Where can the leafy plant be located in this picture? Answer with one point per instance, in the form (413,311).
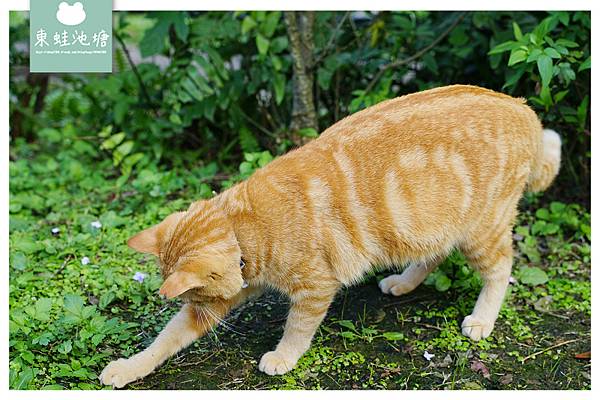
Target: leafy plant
(219,84)
(366,333)
(562,217)
(454,272)
(121,152)
(550,60)
(532,276)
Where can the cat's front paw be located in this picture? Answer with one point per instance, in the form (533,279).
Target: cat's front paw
(275,363)
(120,372)
(476,328)
(395,285)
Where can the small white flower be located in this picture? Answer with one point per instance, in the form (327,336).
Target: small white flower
(139,276)
(96,224)
(55,231)
(85,261)
(428,356)
(512,280)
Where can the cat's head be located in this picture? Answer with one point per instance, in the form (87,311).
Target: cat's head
(198,253)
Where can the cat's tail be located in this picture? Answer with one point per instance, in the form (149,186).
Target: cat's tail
(545,166)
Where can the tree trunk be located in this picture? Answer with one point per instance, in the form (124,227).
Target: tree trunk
(300,26)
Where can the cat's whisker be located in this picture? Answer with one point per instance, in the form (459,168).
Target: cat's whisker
(209,323)
(224,323)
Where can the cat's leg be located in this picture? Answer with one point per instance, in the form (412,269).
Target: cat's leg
(187,325)
(494,263)
(307,310)
(409,279)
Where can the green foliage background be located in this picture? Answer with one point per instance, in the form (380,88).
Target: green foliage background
(197,102)
(225,85)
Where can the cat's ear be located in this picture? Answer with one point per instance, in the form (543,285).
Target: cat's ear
(179,282)
(148,240)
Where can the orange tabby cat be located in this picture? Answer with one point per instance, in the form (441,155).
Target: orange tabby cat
(402,182)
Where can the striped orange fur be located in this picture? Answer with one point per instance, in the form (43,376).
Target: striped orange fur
(400,183)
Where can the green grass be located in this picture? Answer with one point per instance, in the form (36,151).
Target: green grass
(68,318)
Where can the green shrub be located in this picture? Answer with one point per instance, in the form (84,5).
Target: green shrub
(197,105)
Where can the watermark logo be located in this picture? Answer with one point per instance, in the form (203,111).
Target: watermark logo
(70,15)
(67,37)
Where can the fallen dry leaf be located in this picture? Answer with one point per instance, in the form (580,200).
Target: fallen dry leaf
(506,379)
(584,356)
(445,363)
(379,316)
(478,366)
(543,304)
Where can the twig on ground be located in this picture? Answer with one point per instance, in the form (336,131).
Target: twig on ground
(430,326)
(537,353)
(202,360)
(408,300)
(64,264)
(554,314)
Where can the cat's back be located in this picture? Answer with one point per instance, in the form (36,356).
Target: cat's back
(436,112)
(420,130)
(474,122)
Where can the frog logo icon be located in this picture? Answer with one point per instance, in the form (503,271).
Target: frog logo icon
(70,15)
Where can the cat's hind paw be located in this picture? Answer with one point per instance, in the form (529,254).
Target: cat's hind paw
(274,363)
(475,328)
(395,285)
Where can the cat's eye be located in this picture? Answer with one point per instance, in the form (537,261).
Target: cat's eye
(214,276)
